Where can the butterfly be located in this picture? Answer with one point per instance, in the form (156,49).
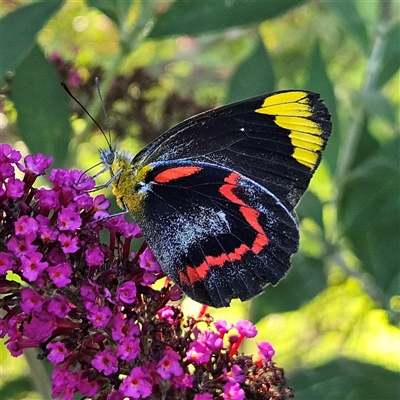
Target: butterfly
(215,195)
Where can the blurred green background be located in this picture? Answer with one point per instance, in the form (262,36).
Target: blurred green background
(334,320)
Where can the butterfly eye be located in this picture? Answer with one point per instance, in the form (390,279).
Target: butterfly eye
(107,156)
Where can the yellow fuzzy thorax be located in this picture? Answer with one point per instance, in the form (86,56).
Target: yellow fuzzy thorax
(125,185)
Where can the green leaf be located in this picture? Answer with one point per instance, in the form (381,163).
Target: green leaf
(16,388)
(352,21)
(369,213)
(18,32)
(253,76)
(305,279)
(346,380)
(42,107)
(318,81)
(310,207)
(367,146)
(194,17)
(375,103)
(391,56)
(116,10)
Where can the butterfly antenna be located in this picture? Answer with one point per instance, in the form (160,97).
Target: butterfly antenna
(97,81)
(108,139)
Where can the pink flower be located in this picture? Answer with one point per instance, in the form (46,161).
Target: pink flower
(169,365)
(58,352)
(69,219)
(105,361)
(31,300)
(60,274)
(266,350)
(25,226)
(32,266)
(69,244)
(99,315)
(148,262)
(128,348)
(246,328)
(94,257)
(233,391)
(136,385)
(126,293)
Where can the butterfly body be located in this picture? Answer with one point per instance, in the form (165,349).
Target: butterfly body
(215,195)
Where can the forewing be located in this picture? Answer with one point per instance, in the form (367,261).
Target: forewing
(217,234)
(275,140)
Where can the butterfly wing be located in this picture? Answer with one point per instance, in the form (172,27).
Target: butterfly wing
(216,233)
(275,140)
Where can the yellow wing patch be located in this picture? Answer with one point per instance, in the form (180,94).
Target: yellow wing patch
(293,111)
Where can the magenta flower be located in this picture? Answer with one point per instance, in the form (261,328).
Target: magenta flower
(128,348)
(25,226)
(92,310)
(94,257)
(126,293)
(69,244)
(136,385)
(60,274)
(148,262)
(98,315)
(169,365)
(266,350)
(246,328)
(32,265)
(31,300)
(57,352)
(105,361)
(233,391)
(69,219)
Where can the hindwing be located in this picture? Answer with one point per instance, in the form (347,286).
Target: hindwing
(216,233)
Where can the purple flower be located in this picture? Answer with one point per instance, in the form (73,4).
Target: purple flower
(136,385)
(8,154)
(25,226)
(169,365)
(128,348)
(36,164)
(94,257)
(92,310)
(235,374)
(105,361)
(69,244)
(126,293)
(204,396)
(69,219)
(22,245)
(14,188)
(148,262)
(57,353)
(199,353)
(99,315)
(233,391)
(40,326)
(47,200)
(266,350)
(7,262)
(60,274)
(222,326)
(32,265)
(246,328)
(88,388)
(121,327)
(59,306)
(31,300)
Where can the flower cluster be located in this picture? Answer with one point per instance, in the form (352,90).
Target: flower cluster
(92,310)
